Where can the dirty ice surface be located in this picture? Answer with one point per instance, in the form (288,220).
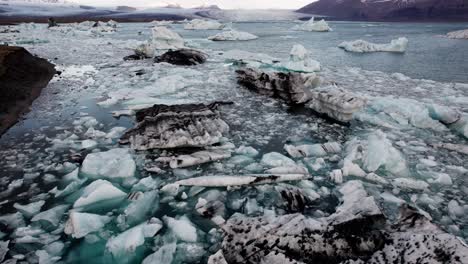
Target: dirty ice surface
(70,192)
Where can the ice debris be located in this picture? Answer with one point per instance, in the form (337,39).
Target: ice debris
(98,193)
(163,39)
(459,34)
(226,181)
(81,224)
(299,61)
(183,228)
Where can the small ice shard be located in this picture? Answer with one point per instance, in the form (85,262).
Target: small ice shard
(459,34)
(407,183)
(292,87)
(99,191)
(113,164)
(51,216)
(311,25)
(455,210)
(125,244)
(3,249)
(201,24)
(360,46)
(336,176)
(29,210)
(316,150)
(299,61)
(288,170)
(233,35)
(81,224)
(198,158)
(247,151)
(451,118)
(183,228)
(173,126)
(336,103)
(454,147)
(245,57)
(381,154)
(12,221)
(88,144)
(183,57)
(275,159)
(226,181)
(115,132)
(141,208)
(164,254)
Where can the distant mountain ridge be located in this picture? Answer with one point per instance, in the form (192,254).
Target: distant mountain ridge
(391,10)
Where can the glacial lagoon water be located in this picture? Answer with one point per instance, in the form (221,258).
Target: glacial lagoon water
(395,129)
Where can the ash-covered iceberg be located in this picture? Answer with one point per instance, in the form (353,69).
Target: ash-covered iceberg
(459,34)
(233,35)
(361,46)
(174,126)
(292,87)
(311,25)
(184,57)
(201,24)
(335,103)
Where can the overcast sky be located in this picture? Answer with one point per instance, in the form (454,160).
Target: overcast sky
(227,4)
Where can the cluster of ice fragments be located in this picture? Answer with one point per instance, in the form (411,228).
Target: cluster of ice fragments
(361,46)
(95,28)
(311,25)
(299,85)
(201,24)
(232,35)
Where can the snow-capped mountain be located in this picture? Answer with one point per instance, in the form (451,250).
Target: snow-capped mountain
(36,1)
(390,9)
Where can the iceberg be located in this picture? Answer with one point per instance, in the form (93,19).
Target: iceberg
(99,191)
(200,24)
(113,164)
(81,224)
(361,46)
(311,25)
(299,61)
(162,39)
(459,34)
(232,35)
(175,126)
(336,103)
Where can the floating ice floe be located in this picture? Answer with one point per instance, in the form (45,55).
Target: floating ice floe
(361,46)
(99,193)
(226,181)
(311,25)
(165,254)
(299,61)
(113,164)
(29,210)
(317,150)
(183,228)
(198,158)
(460,34)
(251,59)
(233,35)
(81,224)
(52,216)
(125,244)
(164,126)
(336,103)
(201,24)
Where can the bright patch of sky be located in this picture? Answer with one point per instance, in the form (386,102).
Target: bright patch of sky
(226,4)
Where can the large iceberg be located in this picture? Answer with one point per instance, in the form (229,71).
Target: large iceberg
(311,25)
(361,46)
(232,35)
(112,164)
(200,24)
(162,39)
